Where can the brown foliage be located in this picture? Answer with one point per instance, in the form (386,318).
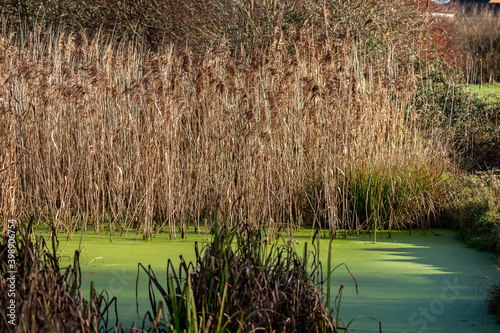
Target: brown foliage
(111,135)
(477,34)
(106,134)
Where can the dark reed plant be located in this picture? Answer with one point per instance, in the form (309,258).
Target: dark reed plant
(244,282)
(47,296)
(493,299)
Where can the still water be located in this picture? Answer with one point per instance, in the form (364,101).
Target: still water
(410,283)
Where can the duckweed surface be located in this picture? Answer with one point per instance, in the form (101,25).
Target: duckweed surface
(411,283)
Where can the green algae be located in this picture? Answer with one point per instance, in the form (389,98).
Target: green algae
(411,283)
(113,265)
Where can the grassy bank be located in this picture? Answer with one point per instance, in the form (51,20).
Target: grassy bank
(477,220)
(488,90)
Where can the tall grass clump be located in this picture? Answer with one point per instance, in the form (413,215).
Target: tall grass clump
(242,282)
(112,136)
(47,297)
(387,196)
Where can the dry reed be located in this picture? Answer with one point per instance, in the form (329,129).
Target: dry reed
(109,136)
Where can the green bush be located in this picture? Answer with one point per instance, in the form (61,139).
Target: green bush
(469,122)
(477,217)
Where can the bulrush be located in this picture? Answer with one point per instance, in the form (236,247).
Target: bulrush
(111,136)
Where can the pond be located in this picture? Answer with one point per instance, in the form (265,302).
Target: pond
(411,283)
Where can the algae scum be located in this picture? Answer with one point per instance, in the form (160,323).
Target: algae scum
(411,283)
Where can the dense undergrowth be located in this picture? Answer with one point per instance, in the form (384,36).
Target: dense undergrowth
(478,219)
(470,122)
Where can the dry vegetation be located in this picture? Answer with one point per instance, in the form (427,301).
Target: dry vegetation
(203,24)
(47,297)
(108,134)
(477,34)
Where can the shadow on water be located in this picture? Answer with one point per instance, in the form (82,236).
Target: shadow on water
(416,283)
